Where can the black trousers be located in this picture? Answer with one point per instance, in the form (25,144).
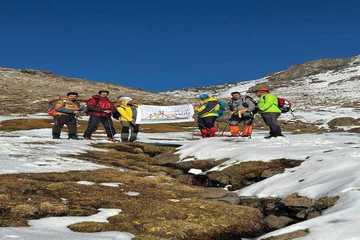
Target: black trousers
(94,122)
(69,120)
(129,132)
(206,122)
(271,120)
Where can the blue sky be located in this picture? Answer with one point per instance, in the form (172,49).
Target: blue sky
(158,45)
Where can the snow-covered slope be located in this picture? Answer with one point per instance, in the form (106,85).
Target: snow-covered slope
(331,168)
(318,95)
(221,91)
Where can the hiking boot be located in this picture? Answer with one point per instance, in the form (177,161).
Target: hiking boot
(213,131)
(268,137)
(204,132)
(234,131)
(56,137)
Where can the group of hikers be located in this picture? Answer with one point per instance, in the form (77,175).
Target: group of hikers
(101,109)
(242,109)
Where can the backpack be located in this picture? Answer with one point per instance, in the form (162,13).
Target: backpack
(284,105)
(222,108)
(97,101)
(256,110)
(51,108)
(116,115)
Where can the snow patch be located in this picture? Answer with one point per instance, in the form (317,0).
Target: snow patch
(114,184)
(132,194)
(33,151)
(56,228)
(86,183)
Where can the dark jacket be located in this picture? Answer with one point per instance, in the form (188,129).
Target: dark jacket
(242,103)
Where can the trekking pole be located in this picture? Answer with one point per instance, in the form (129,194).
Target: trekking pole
(111,128)
(292,113)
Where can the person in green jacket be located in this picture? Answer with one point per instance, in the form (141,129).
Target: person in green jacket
(269,110)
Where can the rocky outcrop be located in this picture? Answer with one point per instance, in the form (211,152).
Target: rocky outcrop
(246,173)
(343,121)
(289,210)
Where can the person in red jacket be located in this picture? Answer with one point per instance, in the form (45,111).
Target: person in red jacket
(100,109)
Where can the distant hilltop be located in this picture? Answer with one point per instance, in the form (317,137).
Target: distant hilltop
(28,90)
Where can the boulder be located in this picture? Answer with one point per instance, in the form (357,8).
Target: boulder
(296,201)
(290,236)
(277,222)
(325,203)
(343,121)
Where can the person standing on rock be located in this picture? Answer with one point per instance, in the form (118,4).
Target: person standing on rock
(269,110)
(65,110)
(127,111)
(207,112)
(100,109)
(242,109)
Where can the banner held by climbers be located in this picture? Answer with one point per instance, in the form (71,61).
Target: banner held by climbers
(149,114)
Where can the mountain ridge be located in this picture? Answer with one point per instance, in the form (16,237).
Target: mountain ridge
(28,90)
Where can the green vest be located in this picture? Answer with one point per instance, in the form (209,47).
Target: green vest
(268,103)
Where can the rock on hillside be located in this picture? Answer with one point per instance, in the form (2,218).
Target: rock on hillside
(27,91)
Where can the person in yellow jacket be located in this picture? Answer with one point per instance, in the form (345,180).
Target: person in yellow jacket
(269,111)
(207,111)
(127,112)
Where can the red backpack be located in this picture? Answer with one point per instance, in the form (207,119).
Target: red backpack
(284,105)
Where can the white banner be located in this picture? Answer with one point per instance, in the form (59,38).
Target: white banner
(148,114)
